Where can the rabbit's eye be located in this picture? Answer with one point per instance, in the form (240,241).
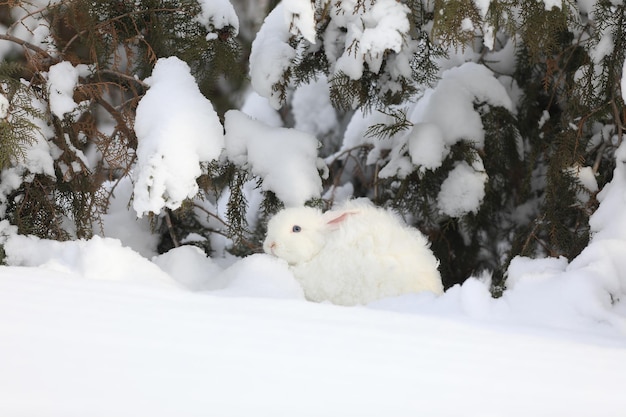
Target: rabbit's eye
(296,229)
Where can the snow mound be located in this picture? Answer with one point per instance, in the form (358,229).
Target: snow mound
(190,266)
(262,276)
(94,259)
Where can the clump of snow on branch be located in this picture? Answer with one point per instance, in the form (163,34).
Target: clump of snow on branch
(301,18)
(285,159)
(453,99)
(549,4)
(259,108)
(177,130)
(463,190)
(370,31)
(604,47)
(62,80)
(426,146)
(271,55)
(217,15)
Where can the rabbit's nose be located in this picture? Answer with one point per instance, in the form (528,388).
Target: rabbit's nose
(269,247)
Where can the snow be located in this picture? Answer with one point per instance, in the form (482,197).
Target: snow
(4,106)
(285,159)
(463,190)
(312,108)
(301,18)
(190,266)
(432,135)
(121,222)
(379,27)
(32,27)
(177,129)
(217,15)
(90,259)
(604,47)
(88,345)
(62,79)
(426,146)
(549,4)
(259,108)
(453,98)
(271,55)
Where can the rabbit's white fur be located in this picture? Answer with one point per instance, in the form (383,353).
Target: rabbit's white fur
(353,255)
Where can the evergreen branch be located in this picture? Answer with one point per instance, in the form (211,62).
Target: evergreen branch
(384,130)
(116,19)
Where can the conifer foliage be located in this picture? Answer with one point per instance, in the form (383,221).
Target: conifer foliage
(490,125)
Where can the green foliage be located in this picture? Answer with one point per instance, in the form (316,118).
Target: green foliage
(383,130)
(18,129)
(449,21)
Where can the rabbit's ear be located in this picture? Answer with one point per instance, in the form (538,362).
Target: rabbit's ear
(334,220)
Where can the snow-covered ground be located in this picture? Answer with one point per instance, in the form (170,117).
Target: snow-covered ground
(91,328)
(73,346)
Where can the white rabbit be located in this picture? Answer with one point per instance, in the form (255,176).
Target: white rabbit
(353,255)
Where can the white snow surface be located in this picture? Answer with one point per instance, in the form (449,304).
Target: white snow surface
(77,342)
(177,129)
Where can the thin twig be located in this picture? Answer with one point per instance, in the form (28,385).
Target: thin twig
(27,45)
(170,228)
